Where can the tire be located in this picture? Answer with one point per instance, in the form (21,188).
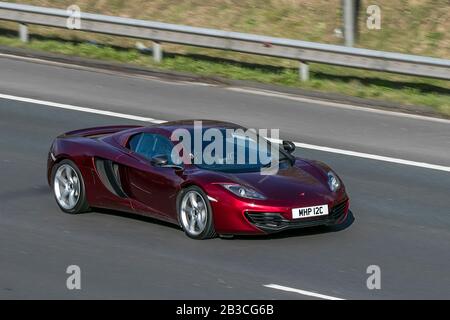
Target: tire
(203,225)
(68,187)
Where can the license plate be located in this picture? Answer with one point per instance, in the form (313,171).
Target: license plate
(308,212)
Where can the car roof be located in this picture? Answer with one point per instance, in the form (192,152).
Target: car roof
(171,126)
(167,128)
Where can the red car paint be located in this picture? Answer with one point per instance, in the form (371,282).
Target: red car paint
(153,190)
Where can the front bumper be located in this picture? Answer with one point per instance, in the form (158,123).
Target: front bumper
(276,222)
(233,215)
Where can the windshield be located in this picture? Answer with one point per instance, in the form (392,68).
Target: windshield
(231,150)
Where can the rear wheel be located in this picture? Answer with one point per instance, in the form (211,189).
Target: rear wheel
(195,214)
(68,187)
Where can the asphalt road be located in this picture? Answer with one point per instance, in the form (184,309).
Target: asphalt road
(402,213)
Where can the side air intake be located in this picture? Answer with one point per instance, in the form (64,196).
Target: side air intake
(110,177)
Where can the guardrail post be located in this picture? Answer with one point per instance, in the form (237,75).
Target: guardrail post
(349,22)
(157,52)
(23,32)
(303,71)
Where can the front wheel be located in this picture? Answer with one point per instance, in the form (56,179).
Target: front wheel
(195,213)
(68,187)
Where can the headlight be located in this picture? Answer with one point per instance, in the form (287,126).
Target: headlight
(243,192)
(333,181)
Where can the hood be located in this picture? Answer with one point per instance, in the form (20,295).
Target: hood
(286,185)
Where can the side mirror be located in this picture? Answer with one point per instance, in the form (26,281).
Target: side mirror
(159,160)
(288,146)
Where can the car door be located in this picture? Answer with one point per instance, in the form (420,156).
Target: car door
(154,187)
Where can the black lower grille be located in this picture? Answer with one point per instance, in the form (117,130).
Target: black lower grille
(338,210)
(266,219)
(272,221)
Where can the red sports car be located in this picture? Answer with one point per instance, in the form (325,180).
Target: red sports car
(132,168)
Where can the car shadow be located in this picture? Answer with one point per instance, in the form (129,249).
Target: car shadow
(134,216)
(280,235)
(302,232)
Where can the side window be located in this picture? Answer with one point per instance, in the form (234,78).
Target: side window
(134,141)
(149,145)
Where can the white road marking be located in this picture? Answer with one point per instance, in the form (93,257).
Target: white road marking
(276,94)
(302,292)
(368,156)
(373,157)
(200,84)
(298,144)
(81,109)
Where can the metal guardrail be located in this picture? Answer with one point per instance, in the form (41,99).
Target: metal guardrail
(225,40)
